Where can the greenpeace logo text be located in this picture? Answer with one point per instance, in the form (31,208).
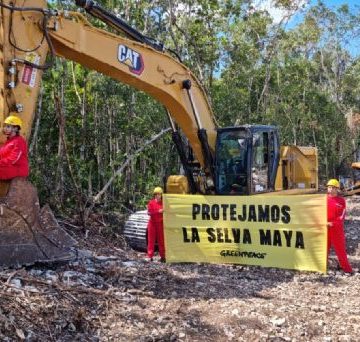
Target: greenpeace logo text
(235,253)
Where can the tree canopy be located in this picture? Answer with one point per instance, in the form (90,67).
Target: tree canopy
(304,78)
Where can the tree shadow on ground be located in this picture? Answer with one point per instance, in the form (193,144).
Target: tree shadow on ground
(210,281)
(352,232)
(225,281)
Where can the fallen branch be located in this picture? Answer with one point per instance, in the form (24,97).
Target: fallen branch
(121,169)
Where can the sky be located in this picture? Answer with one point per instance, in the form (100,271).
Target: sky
(277,14)
(339,2)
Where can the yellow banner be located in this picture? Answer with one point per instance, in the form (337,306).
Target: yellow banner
(272,231)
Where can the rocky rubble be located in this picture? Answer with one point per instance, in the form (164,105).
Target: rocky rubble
(109,293)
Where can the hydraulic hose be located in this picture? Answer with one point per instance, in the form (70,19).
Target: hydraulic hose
(117,23)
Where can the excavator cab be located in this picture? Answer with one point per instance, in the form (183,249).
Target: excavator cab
(246,159)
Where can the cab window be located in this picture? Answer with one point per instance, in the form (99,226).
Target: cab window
(260,162)
(232,162)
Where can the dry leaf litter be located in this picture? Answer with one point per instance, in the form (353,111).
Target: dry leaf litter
(109,293)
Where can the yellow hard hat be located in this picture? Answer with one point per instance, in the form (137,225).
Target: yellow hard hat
(158,190)
(333,182)
(13,120)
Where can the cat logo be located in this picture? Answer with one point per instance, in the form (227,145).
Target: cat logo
(131,58)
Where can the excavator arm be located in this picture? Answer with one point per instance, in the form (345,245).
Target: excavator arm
(31,31)
(31,35)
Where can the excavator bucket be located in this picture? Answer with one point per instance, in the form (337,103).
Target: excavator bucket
(29,234)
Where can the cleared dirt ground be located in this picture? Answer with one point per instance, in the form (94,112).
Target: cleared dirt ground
(111,294)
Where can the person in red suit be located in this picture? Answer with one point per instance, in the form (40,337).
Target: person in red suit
(13,153)
(155,228)
(336,207)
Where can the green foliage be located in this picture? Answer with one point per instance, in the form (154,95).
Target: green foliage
(303,80)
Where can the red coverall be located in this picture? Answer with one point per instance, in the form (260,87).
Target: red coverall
(336,237)
(155,228)
(14,158)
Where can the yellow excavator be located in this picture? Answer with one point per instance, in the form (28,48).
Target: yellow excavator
(241,160)
(355,188)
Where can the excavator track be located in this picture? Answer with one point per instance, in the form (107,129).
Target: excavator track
(29,234)
(135,230)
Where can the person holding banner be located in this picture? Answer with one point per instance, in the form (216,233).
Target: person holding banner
(155,228)
(336,207)
(13,153)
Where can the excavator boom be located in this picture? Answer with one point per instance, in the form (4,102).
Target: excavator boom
(31,35)
(34,32)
